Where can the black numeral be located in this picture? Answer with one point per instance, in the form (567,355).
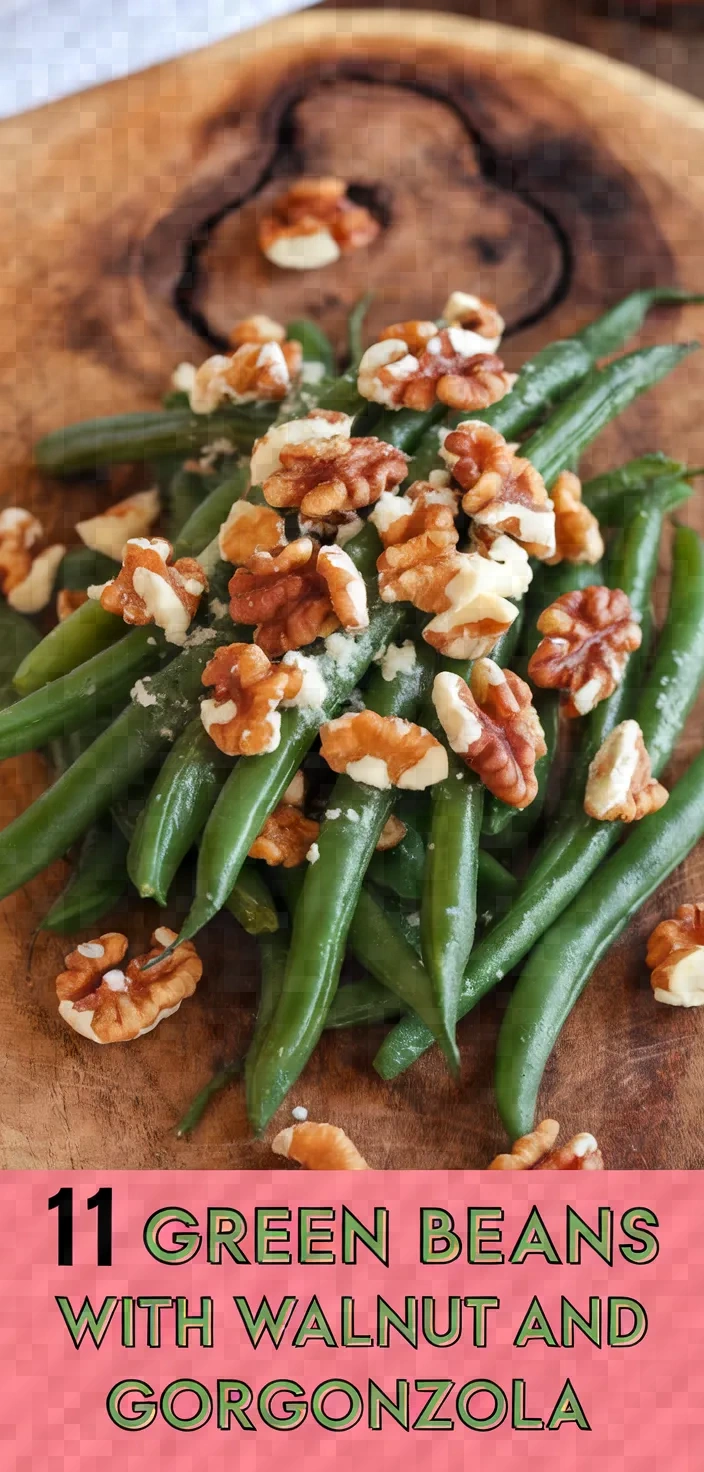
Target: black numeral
(62,1203)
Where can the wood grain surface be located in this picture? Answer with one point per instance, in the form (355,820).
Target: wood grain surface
(533,172)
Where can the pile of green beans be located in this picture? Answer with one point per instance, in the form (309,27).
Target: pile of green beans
(422,963)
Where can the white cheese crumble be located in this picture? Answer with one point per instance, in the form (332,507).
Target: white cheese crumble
(267,450)
(313,854)
(141,695)
(304,252)
(613,768)
(299,1113)
(459,723)
(398,659)
(313,692)
(348,530)
(109,532)
(162,604)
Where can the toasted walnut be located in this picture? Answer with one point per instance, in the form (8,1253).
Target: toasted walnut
(313,224)
(503,492)
(318,1147)
(332,478)
(249,529)
(392,833)
(416,335)
(110,1005)
(590,633)
(535,1152)
(493,725)
(319,424)
(257,370)
(243,718)
(27,571)
(110,532)
(258,328)
(467,591)
(285,838)
(452,366)
(577,535)
(620,784)
(383,751)
(302,594)
(150,589)
(475,315)
(425,512)
(67,601)
(675,958)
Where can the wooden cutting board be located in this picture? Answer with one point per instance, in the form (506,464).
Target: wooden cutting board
(535,173)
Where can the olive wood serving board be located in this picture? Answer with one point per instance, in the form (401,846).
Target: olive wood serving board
(536,173)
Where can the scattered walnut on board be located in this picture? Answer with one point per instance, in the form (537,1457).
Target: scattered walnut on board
(675,958)
(313,223)
(620,786)
(151,589)
(589,634)
(537,1151)
(109,1004)
(493,726)
(318,1147)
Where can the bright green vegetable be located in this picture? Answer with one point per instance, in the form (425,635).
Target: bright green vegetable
(79,637)
(17,638)
(98,881)
(251,904)
(325,909)
(569,951)
(661,714)
(355,324)
(150,436)
(316,345)
(81,566)
(176,811)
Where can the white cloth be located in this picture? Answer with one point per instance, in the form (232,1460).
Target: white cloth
(49,48)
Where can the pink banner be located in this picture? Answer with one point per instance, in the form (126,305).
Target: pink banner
(254,1319)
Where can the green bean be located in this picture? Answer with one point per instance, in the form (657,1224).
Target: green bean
(175,811)
(493,878)
(97,883)
(81,636)
(661,714)
(316,345)
(149,436)
(72,700)
(104,772)
(355,324)
(257,784)
(250,902)
(609,331)
(325,909)
(362,1004)
(607,495)
(189,489)
(400,869)
(197,1107)
(569,951)
(81,566)
(17,638)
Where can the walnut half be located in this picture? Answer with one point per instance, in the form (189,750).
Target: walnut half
(27,568)
(151,589)
(107,1004)
(285,838)
(383,751)
(243,718)
(318,1147)
(504,493)
(589,634)
(537,1151)
(414,364)
(493,725)
(675,958)
(313,224)
(620,784)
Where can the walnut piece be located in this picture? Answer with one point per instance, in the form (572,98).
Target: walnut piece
(243,718)
(503,492)
(675,957)
(590,633)
(107,1004)
(303,593)
(111,530)
(383,751)
(27,570)
(475,315)
(318,1147)
(409,369)
(68,600)
(318,424)
(331,478)
(256,370)
(249,529)
(392,833)
(295,794)
(313,224)
(577,535)
(285,838)
(150,589)
(620,785)
(493,725)
(258,328)
(536,1151)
